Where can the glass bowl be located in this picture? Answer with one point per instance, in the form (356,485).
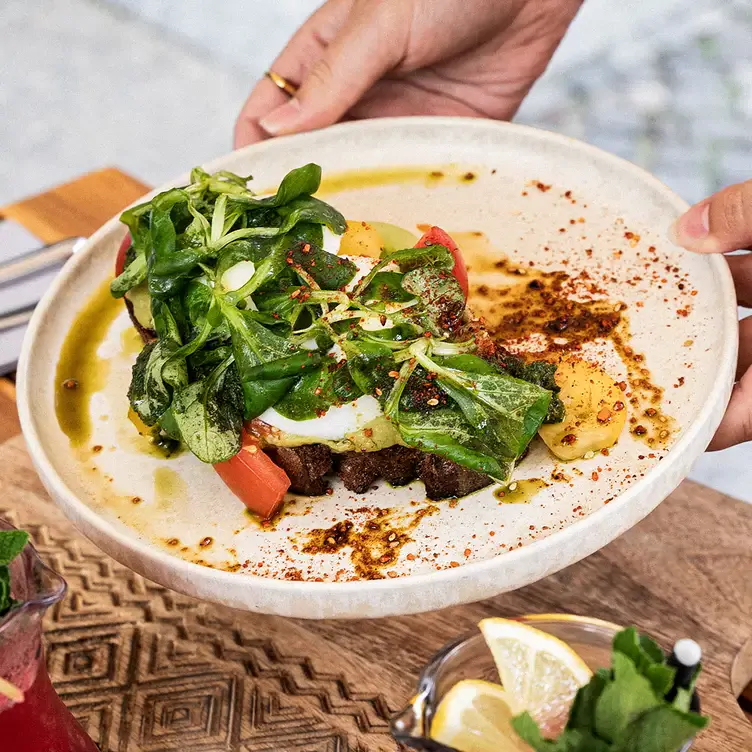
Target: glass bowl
(468,657)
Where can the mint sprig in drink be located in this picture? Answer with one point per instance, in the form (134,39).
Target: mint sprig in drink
(32,716)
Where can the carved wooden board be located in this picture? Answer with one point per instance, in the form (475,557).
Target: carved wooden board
(148,670)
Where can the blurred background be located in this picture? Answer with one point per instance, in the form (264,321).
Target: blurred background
(153,86)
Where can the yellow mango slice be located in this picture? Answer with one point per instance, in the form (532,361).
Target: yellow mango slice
(360,239)
(369,238)
(595,411)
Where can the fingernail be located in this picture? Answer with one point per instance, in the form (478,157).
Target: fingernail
(692,230)
(282,120)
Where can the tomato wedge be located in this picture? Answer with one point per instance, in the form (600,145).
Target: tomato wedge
(254,478)
(120,259)
(437,236)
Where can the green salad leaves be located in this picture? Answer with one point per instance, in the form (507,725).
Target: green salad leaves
(12,542)
(624,708)
(249,312)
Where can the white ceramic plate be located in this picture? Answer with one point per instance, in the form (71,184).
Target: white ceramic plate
(466,551)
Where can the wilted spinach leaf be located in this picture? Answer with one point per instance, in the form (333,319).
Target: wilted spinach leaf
(445,432)
(156,372)
(302,181)
(407,259)
(310,209)
(294,365)
(509,411)
(168,265)
(131,276)
(370,364)
(538,372)
(441,297)
(209,415)
(386,287)
(330,272)
(317,391)
(254,344)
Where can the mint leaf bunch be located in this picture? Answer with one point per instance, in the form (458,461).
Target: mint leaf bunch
(12,542)
(625,708)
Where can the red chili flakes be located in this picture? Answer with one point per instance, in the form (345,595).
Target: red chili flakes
(454,564)
(70,384)
(136,500)
(604,415)
(569,439)
(378,392)
(594,476)
(368,432)
(639,430)
(622,385)
(394,374)
(683,312)
(410,557)
(206,542)
(467,552)
(542,187)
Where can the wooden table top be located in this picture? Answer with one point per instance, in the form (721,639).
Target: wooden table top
(149,670)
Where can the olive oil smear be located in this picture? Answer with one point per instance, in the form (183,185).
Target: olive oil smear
(357,179)
(80,371)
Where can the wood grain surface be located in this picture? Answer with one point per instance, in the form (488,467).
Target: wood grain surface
(76,208)
(149,670)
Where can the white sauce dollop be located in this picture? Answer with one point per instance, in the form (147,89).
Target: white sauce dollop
(336,424)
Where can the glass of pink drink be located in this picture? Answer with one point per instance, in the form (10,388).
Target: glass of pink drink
(41,723)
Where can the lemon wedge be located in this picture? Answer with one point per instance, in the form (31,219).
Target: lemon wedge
(539,673)
(474,716)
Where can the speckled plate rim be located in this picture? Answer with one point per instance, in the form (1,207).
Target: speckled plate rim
(424,592)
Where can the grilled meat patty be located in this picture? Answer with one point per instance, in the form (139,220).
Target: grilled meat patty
(308,465)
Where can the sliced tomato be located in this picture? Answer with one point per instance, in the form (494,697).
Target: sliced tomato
(122,251)
(437,236)
(254,478)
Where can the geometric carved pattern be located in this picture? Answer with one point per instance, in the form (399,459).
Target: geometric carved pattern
(145,669)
